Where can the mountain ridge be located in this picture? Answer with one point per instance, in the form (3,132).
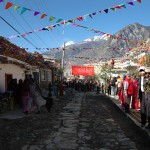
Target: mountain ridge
(98,47)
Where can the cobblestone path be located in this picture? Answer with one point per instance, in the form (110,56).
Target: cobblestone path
(84,122)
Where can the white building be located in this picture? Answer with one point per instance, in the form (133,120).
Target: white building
(11,68)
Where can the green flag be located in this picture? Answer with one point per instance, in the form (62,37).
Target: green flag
(123,5)
(59,20)
(51,18)
(16,7)
(113,8)
(23,10)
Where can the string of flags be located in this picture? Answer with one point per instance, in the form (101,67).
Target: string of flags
(104,46)
(38,56)
(80,18)
(62,21)
(86,28)
(107,34)
(59,48)
(89,60)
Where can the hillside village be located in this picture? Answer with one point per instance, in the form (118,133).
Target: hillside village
(134,58)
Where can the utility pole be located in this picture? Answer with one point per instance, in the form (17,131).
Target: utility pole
(62,61)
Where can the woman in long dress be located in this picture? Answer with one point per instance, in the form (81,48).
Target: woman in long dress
(135,101)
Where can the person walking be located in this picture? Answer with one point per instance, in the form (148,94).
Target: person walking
(109,88)
(118,84)
(25,94)
(128,91)
(135,100)
(113,86)
(121,94)
(55,88)
(147,99)
(142,84)
(34,96)
(98,86)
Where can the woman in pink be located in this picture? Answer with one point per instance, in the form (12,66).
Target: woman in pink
(121,93)
(135,101)
(25,92)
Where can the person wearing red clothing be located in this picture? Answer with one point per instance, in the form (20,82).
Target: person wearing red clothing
(135,101)
(128,92)
(121,93)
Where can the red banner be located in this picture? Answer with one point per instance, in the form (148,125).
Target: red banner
(83,70)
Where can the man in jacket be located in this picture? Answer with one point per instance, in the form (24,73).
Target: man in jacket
(147,97)
(141,85)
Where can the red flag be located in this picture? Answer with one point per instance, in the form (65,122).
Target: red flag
(119,7)
(43,16)
(8,5)
(140,1)
(80,18)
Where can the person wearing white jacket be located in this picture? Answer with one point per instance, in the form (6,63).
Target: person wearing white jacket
(34,96)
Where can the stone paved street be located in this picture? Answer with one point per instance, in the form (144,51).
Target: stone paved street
(83,121)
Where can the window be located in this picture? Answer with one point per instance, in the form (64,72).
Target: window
(43,75)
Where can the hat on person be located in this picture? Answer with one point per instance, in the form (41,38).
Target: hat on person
(141,69)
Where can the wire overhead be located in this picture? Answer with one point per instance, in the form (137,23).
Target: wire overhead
(17,31)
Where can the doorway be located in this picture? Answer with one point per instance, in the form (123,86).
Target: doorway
(8,78)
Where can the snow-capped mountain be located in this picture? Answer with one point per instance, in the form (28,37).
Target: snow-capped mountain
(68,43)
(102,47)
(97,38)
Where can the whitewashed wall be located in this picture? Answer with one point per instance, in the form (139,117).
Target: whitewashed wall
(68,72)
(16,71)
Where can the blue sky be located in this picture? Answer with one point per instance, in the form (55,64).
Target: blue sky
(68,9)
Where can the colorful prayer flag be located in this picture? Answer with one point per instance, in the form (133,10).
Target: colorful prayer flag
(43,16)
(16,7)
(36,13)
(23,10)
(8,5)
(51,18)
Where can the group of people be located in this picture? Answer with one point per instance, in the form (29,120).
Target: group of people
(134,93)
(25,93)
(87,85)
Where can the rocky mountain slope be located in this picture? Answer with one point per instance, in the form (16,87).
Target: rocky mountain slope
(100,47)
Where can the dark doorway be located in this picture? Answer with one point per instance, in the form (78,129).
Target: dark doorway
(8,78)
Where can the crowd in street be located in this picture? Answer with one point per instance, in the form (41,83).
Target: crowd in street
(86,85)
(134,93)
(25,93)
